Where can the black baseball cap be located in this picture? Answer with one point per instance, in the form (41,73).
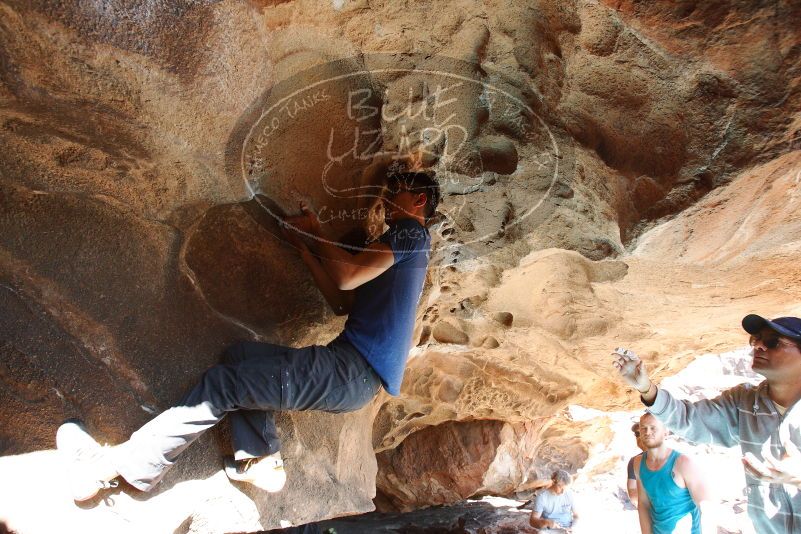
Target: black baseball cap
(786,326)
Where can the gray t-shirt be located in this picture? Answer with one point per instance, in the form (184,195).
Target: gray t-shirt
(558,508)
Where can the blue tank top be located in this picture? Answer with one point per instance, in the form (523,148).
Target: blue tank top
(381,322)
(669,502)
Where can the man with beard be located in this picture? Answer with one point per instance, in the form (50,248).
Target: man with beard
(670,487)
(764,420)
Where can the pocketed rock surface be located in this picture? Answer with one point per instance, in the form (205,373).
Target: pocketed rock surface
(614,173)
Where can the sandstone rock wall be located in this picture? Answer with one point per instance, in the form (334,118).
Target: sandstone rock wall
(141,173)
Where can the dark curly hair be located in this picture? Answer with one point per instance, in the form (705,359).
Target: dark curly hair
(417,182)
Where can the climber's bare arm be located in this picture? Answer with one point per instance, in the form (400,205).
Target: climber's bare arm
(346,270)
(351,271)
(341,301)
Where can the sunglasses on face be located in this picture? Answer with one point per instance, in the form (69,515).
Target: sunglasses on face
(770,342)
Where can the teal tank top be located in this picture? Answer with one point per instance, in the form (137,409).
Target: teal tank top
(669,502)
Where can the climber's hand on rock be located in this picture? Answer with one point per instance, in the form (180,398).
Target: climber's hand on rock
(293,237)
(631,369)
(307,222)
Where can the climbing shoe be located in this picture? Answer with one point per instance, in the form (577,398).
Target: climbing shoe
(89,468)
(266,473)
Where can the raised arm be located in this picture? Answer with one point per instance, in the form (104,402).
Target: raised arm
(347,271)
(700,491)
(351,271)
(705,421)
(340,300)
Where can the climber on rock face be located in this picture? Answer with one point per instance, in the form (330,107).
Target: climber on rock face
(764,420)
(379,288)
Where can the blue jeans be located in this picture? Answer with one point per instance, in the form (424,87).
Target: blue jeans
(250,384)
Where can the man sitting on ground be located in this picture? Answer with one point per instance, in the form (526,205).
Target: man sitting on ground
(554,508)
(256,379)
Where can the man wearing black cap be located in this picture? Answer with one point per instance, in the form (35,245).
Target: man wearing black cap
(763,420)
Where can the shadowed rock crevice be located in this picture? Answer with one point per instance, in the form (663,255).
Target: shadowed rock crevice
(437,465)
(246,273)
